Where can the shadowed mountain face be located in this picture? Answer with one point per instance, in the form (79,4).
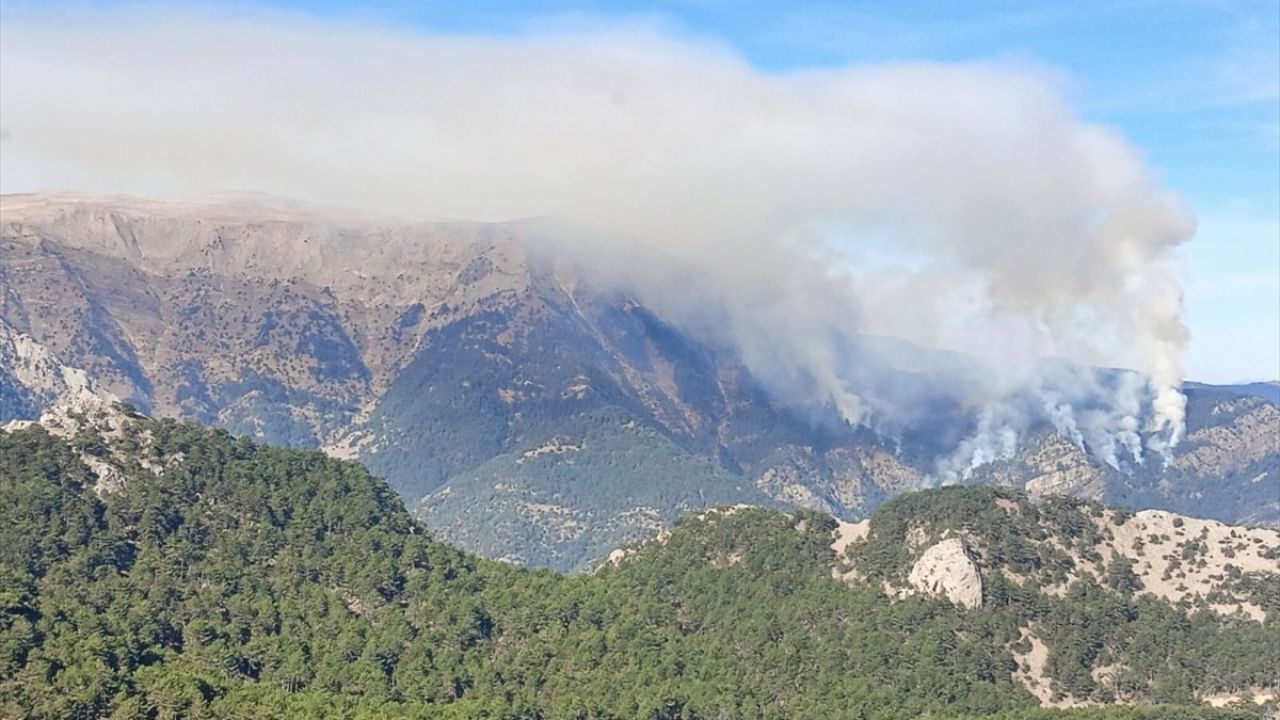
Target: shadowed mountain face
(524,407)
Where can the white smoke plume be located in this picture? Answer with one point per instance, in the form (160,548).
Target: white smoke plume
(959,206)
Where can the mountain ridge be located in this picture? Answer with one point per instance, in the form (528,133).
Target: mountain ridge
(438,353)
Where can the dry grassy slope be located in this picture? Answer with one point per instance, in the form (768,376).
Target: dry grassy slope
(1175,557)
(1185,561)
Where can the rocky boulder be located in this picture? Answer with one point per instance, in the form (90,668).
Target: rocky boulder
(946,570)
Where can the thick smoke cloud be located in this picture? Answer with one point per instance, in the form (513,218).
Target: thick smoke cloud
(960,206)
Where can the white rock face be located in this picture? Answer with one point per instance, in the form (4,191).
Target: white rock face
(39,372)
(66,399)
(95,411)
(110,478)
(946,570)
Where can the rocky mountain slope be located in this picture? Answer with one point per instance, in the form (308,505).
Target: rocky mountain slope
(212,577)
(983,546)
(485,375)
(33,379)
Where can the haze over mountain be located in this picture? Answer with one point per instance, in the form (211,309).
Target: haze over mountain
(964,205)
(534,401)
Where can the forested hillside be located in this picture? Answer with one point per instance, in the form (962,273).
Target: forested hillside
(151,569)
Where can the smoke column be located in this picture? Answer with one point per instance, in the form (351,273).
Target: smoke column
(962,207)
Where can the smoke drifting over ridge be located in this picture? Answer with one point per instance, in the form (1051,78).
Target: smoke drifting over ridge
(958,206)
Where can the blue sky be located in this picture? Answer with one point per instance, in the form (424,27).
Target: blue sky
(1194,85)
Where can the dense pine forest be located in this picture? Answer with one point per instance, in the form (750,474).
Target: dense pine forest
(222,579)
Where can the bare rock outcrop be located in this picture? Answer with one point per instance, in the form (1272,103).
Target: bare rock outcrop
(110,479)
(32,378)
(92,411)
(946,570)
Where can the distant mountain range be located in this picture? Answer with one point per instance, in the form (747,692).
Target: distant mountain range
(1269,391)
(523,408)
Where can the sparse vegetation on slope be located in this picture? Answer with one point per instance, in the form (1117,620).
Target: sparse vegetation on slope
(1058,575)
